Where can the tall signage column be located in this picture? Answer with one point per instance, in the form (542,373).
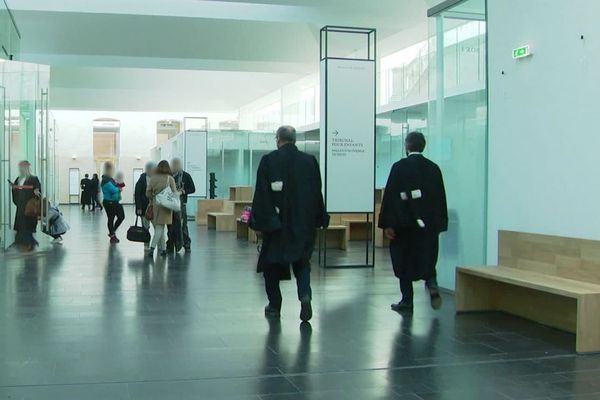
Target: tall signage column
(348,102)
(195,158)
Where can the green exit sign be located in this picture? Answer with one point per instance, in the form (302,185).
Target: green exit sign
(521,52)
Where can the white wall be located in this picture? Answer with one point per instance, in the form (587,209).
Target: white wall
(74,135)
(544,144)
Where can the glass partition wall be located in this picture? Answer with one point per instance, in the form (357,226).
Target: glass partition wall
(25,134)
(457,131)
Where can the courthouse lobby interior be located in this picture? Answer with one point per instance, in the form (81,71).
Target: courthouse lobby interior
(505,93)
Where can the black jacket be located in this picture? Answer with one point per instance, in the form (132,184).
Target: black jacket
(288,206)
(412,173)
(184,181)
(141,201)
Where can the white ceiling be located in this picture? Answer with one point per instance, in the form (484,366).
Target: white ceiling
(187,55)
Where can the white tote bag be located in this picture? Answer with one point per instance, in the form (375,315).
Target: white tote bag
(168,199)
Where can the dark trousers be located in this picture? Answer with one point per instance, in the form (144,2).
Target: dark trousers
(115,214)
(95,202)
(273,276)
(178,233)
(408,292)
(185,232)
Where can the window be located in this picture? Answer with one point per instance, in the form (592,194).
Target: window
(166,129)
(106,141)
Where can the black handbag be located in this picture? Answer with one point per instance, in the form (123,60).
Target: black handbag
(137,233)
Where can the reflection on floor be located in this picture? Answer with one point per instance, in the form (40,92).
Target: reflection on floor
(90,321)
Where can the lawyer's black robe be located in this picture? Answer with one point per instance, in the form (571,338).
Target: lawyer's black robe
(86,191)
(20,196)
(415,250)
(288,218)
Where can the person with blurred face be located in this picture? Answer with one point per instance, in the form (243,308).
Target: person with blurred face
(25,188)
(162,216)
(179,234)
(112,202)
(141,200)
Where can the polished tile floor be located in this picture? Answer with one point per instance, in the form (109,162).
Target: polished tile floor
(90,321)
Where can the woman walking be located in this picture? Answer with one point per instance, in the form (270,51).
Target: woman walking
(112,202)
(25,188)
(161,179)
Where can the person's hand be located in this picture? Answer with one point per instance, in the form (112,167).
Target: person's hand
(390,233)
(37,192)
(138,212)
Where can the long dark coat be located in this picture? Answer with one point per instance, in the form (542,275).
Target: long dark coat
(288,208)
(415,190)
(86,191)
(20,196)
(141,200)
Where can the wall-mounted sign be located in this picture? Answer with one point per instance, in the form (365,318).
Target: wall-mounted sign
(521,52)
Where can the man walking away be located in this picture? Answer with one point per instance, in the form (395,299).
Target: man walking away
(413,214)
(287,209)
(86,192)
(141,200)
(179,234)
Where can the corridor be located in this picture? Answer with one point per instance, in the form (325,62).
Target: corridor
(87,320)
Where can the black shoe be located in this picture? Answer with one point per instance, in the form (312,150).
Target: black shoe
(436,299)
(306,312)
(403,307)
(188,250)
(272,311)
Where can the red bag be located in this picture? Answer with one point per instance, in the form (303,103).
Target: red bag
(149,212)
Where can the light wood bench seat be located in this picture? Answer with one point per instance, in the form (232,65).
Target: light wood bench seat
(221,222)
(244,231)
(540,278)
(335,237)
(206,206)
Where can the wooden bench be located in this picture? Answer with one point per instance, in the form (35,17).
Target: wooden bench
(206,206)
(334,237)
(240,193)
(359,228)
(548,279)
(244,231)
(239,206)
(221,222)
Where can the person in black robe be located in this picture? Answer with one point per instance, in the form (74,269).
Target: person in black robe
(287,209)
(95,191)
(86,192)
(413,214)
(25,188)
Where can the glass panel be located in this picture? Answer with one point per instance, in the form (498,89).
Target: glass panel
(457,132)
(24,129)
(229,159)
(10,41)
